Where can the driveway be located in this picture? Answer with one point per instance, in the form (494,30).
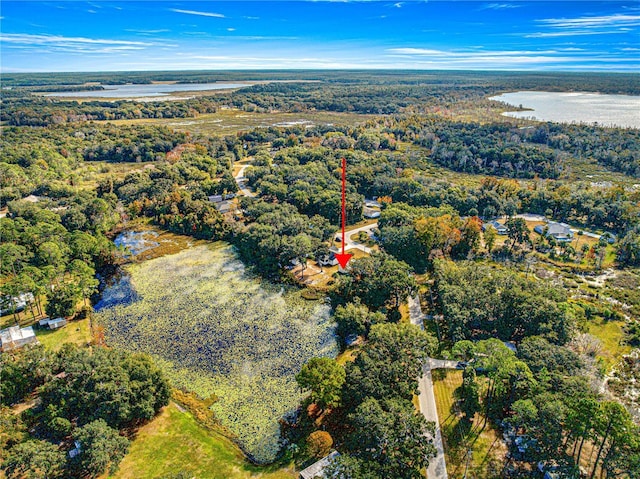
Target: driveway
(352,244)
(242,181)
(427,400)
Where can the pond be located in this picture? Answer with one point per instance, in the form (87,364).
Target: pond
(149,90)
(575,107)
(136,242)
(219,332)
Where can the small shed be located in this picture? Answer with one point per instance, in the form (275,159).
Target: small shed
(52,323)
(57,323)
(316,470)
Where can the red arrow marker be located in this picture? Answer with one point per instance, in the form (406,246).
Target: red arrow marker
(343,258)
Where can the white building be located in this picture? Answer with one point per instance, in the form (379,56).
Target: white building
(16,337)
(316,470)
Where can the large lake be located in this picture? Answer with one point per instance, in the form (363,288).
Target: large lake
(575,107)
(149,90)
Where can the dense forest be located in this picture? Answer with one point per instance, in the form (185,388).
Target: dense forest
(70,179)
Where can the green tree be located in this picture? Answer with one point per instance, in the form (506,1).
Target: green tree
(62,301)
(356,318)
(324,377)
(298,248)
(121,388)
(467,394)
(12,429)
(518,232)
(490,236)
(101,448)
(391,437)
(613,425)
(84,276)
(628,252)
(379,280)
(34,459)
(390,364)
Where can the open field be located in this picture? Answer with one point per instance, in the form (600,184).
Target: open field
(174,442)
(223,335)
(229,121)
(486,445)
(76,332)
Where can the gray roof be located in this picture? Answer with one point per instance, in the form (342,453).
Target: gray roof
(16,336)
(498,226)
(557,230)
(316,469)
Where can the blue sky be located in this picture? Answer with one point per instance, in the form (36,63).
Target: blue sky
(167,35)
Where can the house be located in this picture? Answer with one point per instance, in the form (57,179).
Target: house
(329,259)
(52,323)
(316,470)
(16,337)
(511,345)
(557,231)
(371,203)
(224,206)
(499,227)
(215,198)
(17,303)
(370,212)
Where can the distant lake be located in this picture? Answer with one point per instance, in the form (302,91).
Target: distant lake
(575,107)
(149,90)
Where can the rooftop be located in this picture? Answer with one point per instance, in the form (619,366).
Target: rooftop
(316,469)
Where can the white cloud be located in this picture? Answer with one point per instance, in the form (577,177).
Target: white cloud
(231,29)
(75,45)
(572,33)
(616,20)
(28,39)
(147,32)
(416,51)
(498,6)
(194,12)
(581,26)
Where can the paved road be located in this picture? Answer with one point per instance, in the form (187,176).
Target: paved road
(353,244)
(242,181)
(427,400)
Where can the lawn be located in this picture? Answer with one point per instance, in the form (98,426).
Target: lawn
(218,332)
(76,332)
(487,447)
(174,442)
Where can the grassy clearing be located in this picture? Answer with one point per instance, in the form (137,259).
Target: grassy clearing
(611,334)
(216,331)
(76,332)
(487,448)
(174,442)
(90,173)
(229,121)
